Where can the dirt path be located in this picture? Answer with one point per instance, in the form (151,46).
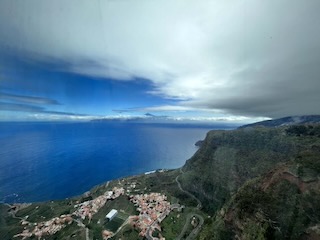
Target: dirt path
(122,225)
(282,173)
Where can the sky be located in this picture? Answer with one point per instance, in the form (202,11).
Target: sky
(231,60)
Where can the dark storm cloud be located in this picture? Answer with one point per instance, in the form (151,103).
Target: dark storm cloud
(287,87)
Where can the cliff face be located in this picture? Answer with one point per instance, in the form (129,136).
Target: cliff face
(227,159)
(260,183)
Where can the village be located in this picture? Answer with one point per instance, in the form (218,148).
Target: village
(88,208)
(44,228)
(152,208)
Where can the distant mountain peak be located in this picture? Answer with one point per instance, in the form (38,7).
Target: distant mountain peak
(149,115)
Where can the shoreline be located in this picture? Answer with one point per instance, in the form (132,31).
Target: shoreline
(86,193)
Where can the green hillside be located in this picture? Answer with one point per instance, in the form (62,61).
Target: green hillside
(228,158)
(259,183)
(282,204)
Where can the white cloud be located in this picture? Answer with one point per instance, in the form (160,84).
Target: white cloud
(172,108)
(233,56)
(226,119)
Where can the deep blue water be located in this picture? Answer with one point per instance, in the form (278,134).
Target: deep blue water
(43,161)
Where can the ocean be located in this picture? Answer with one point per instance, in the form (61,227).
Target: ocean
(49,161)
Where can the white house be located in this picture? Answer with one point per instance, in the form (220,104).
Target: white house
(111,214)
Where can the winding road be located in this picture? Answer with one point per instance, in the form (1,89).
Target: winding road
(13,212)
(196,230)
(199,206)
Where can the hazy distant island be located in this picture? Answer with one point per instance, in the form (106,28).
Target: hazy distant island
(260,181)
(143,118)
(163,119)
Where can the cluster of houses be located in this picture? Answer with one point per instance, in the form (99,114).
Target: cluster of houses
(153,208)
(83,210)
(88,208)
(41,229)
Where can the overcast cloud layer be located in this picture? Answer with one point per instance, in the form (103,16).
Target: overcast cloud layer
(254,58)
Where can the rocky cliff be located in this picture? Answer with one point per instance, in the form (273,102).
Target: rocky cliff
(258,183)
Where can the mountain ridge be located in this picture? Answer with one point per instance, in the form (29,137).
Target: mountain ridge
(259,182)
(290,120)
